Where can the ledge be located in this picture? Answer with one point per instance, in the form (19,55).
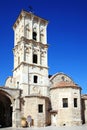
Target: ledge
(65,87)
(30,65)
(37,96)
(54,111)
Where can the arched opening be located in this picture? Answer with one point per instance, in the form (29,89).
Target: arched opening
(35,79)
(35,36)
(35,58)
(5,111)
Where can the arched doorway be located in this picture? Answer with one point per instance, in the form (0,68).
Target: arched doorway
(5,110)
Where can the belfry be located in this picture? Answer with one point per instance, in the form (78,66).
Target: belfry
(30,54)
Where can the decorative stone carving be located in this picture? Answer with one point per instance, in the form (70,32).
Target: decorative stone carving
(36,89)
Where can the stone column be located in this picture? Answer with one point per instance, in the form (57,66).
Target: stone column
(16,113)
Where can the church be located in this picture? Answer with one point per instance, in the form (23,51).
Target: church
(31,92)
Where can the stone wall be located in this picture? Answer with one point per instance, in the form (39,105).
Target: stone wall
(84,108)
(66,115)
(31,103)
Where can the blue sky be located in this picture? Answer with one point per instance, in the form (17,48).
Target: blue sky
(67,36)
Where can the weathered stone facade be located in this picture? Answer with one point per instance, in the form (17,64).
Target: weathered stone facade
(31,107)
(48,101)
(63,88)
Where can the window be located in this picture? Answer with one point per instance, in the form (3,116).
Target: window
(34,58)
(65,102)
(34,35)
(40,108)
(75,102)
(35,79)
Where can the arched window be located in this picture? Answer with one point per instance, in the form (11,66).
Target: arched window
(35,36)
(35,79)
(75,102)
(35,58)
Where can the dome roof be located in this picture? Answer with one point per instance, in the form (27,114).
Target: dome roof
(61,80)
(84,96)
(65,84)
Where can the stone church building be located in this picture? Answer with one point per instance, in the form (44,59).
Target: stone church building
(48,100)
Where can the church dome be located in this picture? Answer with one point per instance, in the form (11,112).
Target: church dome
(61,80)
(64,84)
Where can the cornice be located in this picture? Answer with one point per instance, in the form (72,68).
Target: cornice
(33,65)
(29,14)
(36,96)
(73,87)
(30,41)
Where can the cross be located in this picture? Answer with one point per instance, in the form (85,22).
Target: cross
(30,9)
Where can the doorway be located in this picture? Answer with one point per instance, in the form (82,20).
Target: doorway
(5,111)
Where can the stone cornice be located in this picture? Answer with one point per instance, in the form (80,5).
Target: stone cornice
(36,96)
(29,14)
(30,41)
(33,65)
(73,87)
(34,85)
(7,88)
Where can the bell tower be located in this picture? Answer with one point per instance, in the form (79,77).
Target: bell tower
(30,54)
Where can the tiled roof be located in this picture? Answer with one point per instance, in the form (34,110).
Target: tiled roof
(65,84)
(84,96)
(53,111)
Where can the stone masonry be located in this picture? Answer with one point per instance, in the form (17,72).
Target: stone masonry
(48,100)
